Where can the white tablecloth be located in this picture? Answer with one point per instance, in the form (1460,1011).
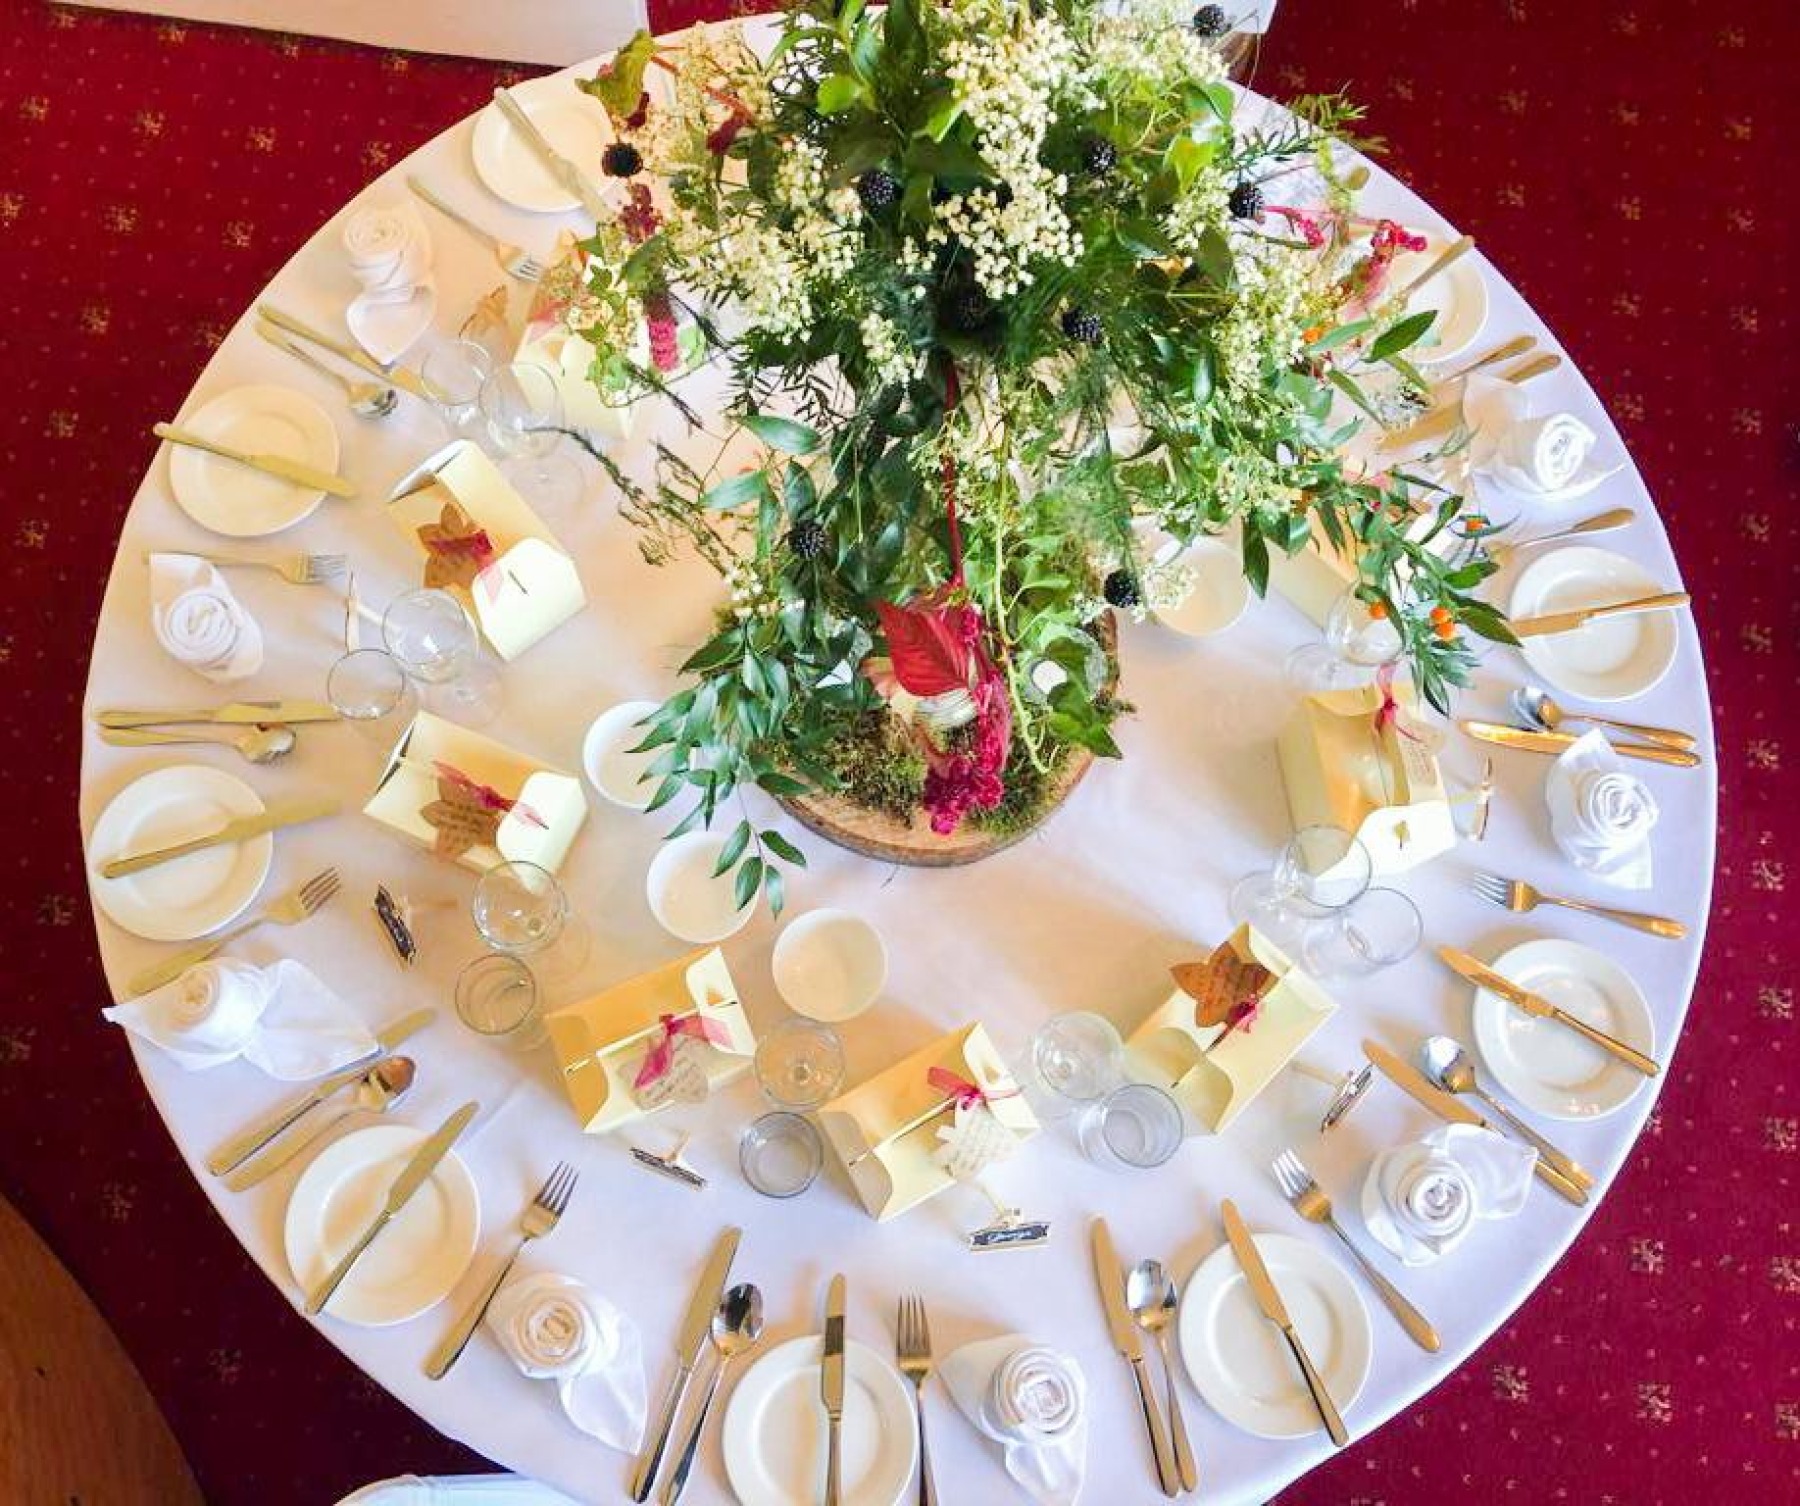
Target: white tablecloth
(1131,877)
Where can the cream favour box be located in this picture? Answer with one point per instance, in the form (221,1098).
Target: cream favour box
(1381,782)
(891,1166)
(600,1043)
(549,805)
(551,343)
(1215,1073)
(531,586)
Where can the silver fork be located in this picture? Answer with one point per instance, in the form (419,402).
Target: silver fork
(514,260)
(1519,897)
(295,569)
(292,908)
(1311,1203)
(912,1347)
(540,1218)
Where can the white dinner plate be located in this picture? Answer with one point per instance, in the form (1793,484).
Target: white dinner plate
(1458,295)
(606,756)
(1546,1067)
(416,1260)
(1237,1359)
(774,1433)
(574,123)
(1613,659)
(829,964)
(687,898)
(232,499)
(185,897)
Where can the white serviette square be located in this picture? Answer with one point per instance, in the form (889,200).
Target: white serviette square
(1032,1401)
(199,622)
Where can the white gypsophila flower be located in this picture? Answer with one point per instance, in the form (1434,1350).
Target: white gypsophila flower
(800,175)
(1154,46)
(1007,79)
(1166,586)
(890,358)
(1204,205)
(1005,236)
(1278,295)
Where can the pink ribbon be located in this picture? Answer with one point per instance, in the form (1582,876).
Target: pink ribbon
(661,1056)
(486,796)
(1388,713)
(960,1091)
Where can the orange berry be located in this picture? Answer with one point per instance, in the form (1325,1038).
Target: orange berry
(1378,610)
(1440,614)
(1444,630)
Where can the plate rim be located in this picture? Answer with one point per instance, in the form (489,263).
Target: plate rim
(182,459)
(1533,650)
(1466,272)
(1487,1009)
(489,121)
(463,1188)
(101,889)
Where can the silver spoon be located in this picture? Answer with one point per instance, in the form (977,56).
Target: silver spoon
(1153,1299)
(1535,706)
(379,1089)
(258,744)
(1448,1065)
(736,1326)
(366,399)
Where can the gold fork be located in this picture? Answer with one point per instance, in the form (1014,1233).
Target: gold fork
(912,1347)
(540,1218)
(292,908)
(1519,897)
(1311,1203)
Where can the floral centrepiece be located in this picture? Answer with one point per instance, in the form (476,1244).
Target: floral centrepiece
(997,283)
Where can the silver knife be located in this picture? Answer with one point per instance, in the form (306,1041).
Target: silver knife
(1128,1339)
(1262,1287)
(1483,976)
(282,814)
(696,1324)
(401,376)
(572,178)
(412,1177)
(1533,741)
(831,1391)
(244,713)
(246,1142)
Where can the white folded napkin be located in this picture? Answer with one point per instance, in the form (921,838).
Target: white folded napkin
(199,622)
(1421,1200)
(279,1018)
(389,250)
(1550,457)
(1601,816)
(555,1328)
(1032,1401)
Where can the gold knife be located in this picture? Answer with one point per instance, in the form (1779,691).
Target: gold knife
(281,814)
(1451,253)
(571,177)
(1445,419)
(412,1177)
(236,713)
(241,1146)
(1533,741)
(279,466)
(1540,1008)
(1580,617)
(1452,1110)
(831,1391)
(696,1324)
(1128,1339)
(1262,1287)
(401,376)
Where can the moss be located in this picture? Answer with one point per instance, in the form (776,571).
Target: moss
(878,765)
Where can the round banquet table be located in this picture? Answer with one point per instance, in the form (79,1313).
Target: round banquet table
(1087,914)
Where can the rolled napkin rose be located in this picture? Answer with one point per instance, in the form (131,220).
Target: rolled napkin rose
(1421,1201)
(281,1019)
(389,251)
(199,622)
(1601,815)
(1032,1401)
(1549,456)
(554,1327)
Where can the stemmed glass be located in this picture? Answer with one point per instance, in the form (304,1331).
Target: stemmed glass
(1357,645)
(1075,1059)
(454,371)
(521,911)
(523,411)
(1378,929)
(800,1064)
(369,688)
(435,641)
(1321,869)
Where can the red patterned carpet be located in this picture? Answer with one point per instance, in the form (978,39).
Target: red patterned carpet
(1623,160)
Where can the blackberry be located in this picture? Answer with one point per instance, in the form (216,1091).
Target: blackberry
(1079,324)
(1121,589)
(621,160)
(1099,156)
(969,310)
(1210,21)
(808,539)
(877,189)
(1246,201)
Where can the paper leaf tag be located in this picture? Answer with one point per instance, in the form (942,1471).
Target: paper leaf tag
(1221,984)
(461,819)
(974,1141)
(683,1079)
(456,549)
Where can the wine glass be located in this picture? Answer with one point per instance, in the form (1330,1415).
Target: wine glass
(521,911)
(453,372)
(1074,1059)
(523,410)
(1378,929)
(1359,642)
(435,641)
(1319,870)
(800,1064)
(369,688)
